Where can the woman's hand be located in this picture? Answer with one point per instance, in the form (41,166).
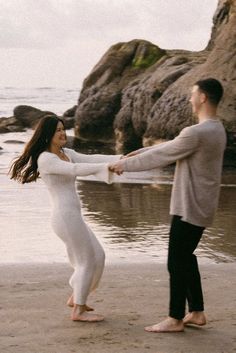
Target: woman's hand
(116,168)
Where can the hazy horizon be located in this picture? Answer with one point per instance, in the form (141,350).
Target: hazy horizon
(56,43)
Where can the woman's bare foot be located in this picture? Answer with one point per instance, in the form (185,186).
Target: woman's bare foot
(70,303)
(79,313)
(87,317)
(88,308)
(195,318)
(168,325)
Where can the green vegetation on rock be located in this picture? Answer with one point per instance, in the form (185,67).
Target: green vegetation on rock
(147,56)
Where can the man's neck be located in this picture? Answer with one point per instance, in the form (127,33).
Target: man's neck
(207,114)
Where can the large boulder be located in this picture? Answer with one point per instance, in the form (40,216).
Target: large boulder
(138,94)
(172,111)
(142,96)
(100,97)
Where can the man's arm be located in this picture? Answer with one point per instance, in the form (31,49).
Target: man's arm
(185,144)
(140,150)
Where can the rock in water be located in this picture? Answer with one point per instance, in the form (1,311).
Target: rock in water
(100,98)
(29,116)
(138,94)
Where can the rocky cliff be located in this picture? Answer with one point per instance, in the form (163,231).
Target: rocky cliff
(138,93)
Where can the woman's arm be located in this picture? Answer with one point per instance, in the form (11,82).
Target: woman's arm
(91,158)
(49,163)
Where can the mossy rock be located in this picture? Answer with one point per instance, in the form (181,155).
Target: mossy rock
(147,55)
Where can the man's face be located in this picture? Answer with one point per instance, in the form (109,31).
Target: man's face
(196,99)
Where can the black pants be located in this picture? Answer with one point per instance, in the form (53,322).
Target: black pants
(185,280)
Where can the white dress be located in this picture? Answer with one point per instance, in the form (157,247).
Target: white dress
(85,253)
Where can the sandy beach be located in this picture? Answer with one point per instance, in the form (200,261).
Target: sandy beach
(35,319)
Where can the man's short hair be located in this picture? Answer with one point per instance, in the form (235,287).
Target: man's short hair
(212,88)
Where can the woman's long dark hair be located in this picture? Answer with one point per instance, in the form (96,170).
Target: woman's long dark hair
(25,168)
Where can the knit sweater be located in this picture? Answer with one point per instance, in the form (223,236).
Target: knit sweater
(198,152)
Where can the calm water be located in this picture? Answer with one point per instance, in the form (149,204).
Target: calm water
(130,218)
(56,100)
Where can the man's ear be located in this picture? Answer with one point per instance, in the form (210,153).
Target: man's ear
(203,97)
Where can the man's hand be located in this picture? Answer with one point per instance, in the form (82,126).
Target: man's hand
(116,168)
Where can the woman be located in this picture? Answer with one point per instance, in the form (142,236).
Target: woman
(44,155)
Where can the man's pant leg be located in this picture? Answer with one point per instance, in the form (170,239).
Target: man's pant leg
(185,279)
(194,287)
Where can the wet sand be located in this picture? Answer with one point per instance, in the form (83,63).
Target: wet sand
(35,319)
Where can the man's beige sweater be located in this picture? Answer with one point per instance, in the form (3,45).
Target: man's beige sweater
(198,151)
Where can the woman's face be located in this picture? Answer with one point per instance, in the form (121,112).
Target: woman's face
(59,137)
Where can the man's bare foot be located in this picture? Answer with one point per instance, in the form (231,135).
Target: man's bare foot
(195,318)
(168,325)
(70,303)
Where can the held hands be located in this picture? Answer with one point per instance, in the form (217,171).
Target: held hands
(115,168)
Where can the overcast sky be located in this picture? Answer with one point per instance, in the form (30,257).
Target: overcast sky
(57,42)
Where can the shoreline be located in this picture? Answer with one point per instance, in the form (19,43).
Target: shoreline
(35,319)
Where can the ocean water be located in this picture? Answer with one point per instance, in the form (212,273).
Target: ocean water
(130,218)
(56,100)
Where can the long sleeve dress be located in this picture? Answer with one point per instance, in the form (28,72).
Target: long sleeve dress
(85,253)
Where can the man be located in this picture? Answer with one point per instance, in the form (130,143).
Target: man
(198,152)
